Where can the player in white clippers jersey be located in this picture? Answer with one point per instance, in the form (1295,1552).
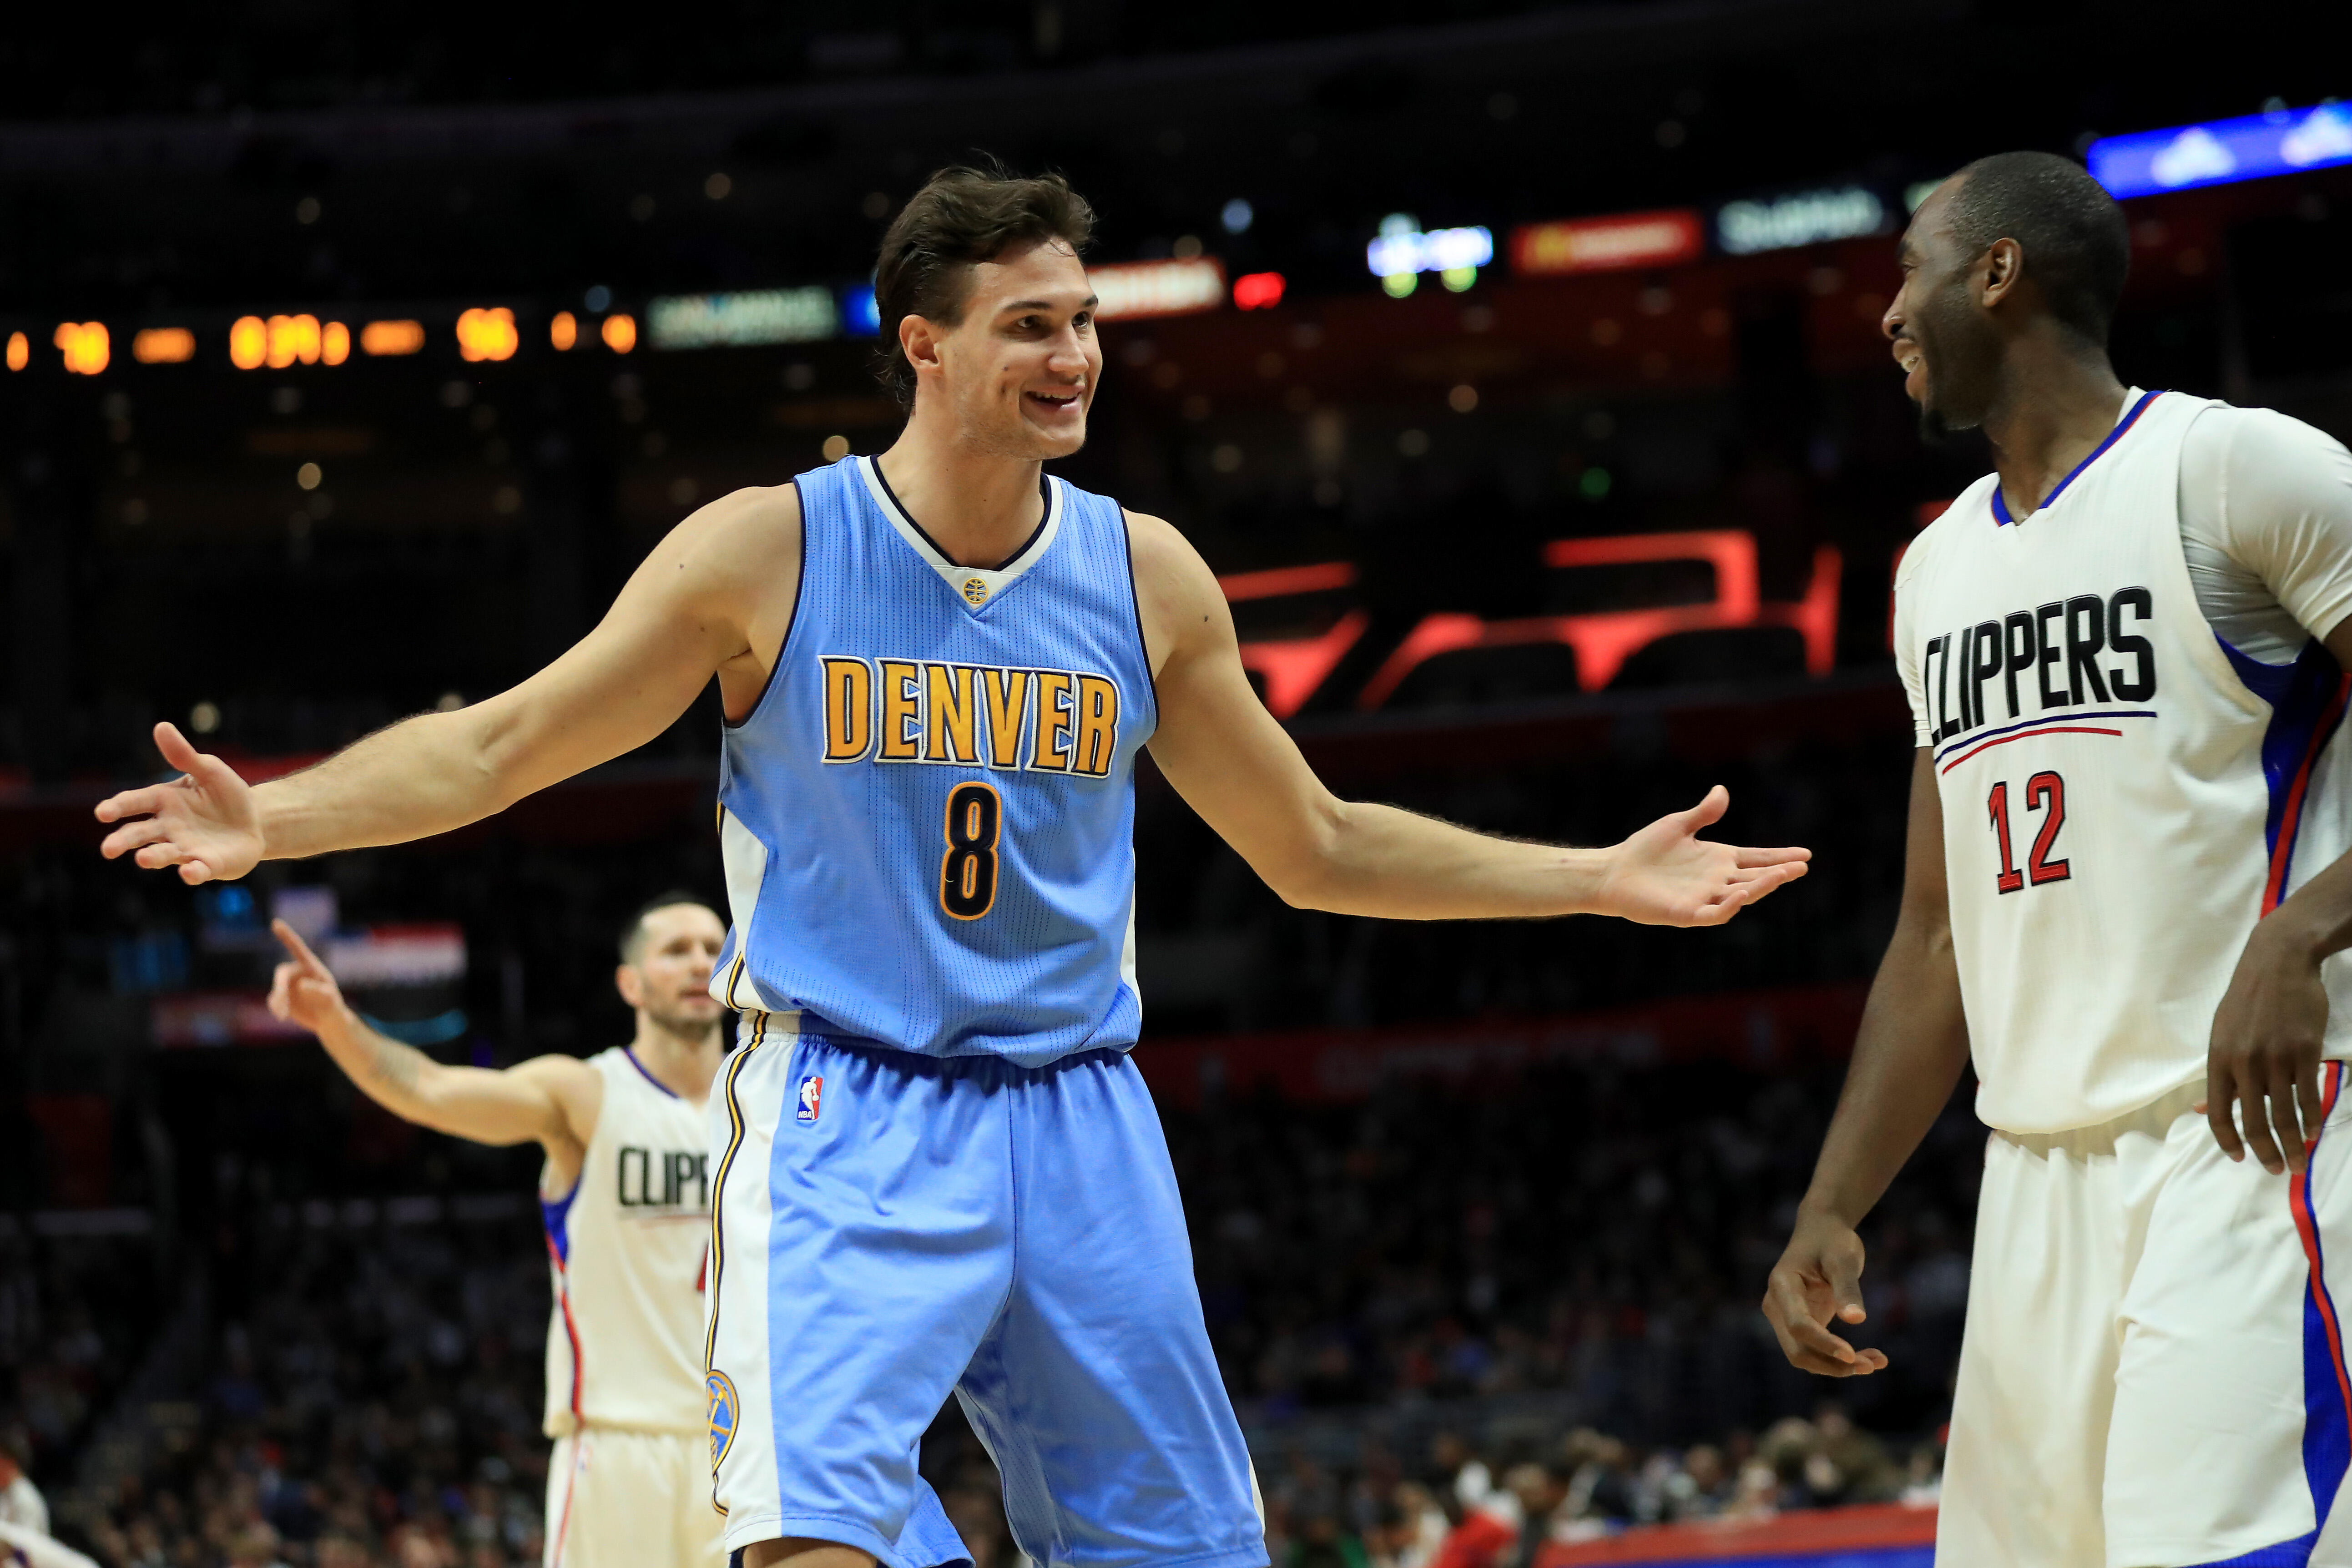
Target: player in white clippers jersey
(2127,881)
(625,1193)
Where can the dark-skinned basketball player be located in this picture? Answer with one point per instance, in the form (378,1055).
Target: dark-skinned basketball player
(2126,891)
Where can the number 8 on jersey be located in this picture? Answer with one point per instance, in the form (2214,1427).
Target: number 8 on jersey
(968,870)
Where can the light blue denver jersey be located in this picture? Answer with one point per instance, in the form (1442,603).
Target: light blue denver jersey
(928,821)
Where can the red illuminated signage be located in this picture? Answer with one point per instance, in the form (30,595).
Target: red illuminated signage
(1608,244)
(1257,291)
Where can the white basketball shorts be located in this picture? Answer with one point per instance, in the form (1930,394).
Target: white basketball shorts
(2153,1375)
(632,1499)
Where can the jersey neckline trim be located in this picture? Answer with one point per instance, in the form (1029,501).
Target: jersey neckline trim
(977,587)
(2131,416)
(649,1077)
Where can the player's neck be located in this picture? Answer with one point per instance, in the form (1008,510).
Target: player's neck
(978,507)
(682,1063)
(2057,403)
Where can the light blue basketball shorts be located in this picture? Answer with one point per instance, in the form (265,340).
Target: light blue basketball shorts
(891,1227)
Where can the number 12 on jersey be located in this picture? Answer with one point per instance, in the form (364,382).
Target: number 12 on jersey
(975,820)
(2045,792)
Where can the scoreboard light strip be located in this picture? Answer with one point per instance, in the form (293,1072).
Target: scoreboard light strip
(164,345)
(85,345)
(383,340)
(487,333)
(278,342)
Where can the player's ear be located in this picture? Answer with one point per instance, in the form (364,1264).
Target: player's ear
(918,340)
(2002,267)
(630,983)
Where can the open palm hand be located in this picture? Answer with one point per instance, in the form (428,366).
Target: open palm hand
(1666,875)
(204,822)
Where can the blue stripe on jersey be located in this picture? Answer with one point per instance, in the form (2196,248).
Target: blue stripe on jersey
(2131,416)
(555,1214)
(2304,714)
(939,782)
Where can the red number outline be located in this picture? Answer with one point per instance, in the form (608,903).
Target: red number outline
(2010,878)
(2050,786)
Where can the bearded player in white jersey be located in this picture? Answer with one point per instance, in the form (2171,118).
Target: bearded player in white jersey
(2125,893)
(625,1195)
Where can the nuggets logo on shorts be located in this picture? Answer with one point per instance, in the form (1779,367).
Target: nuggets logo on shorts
(812,1094)
(723,1407)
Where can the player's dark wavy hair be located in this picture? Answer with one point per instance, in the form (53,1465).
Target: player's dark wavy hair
(962,215)
(2077,247)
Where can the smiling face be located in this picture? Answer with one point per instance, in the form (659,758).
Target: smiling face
(1018,371)
(668,976)
(1942,335)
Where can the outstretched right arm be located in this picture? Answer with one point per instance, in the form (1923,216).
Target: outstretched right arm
(551,1100)
(1908,1058)
(702,602)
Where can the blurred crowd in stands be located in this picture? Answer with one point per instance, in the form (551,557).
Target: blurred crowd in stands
(1460,1322)
(1593,1231)
(75,1315)
(1467,1506)
(369,1398)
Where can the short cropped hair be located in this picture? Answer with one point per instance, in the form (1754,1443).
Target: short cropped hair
(2077,247)
(962,217)
(632,935)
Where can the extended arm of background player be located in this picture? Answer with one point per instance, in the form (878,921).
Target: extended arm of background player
(698,604)
(1241,771)
(552,1100)
(1907,1057)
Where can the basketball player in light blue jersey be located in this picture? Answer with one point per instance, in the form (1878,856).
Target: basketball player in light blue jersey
(936,1169)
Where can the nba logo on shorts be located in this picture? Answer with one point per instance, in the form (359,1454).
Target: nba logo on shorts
(812,1091)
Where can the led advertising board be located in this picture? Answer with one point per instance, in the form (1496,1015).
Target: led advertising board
(2221,152)
(1802,218)
(1607,243)
(743,319)
(1136,289)
(1403,250)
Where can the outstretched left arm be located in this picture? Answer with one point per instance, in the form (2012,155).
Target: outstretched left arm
(1243,772)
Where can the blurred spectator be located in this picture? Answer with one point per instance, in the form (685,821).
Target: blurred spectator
(21,1503)
(1590,1230)
(366,1406)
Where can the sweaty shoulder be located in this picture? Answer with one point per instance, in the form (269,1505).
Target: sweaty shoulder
(1183,608)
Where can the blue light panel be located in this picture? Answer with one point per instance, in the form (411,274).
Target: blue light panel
(2221,152)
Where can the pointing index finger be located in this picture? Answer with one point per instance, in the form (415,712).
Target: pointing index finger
(299,949)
